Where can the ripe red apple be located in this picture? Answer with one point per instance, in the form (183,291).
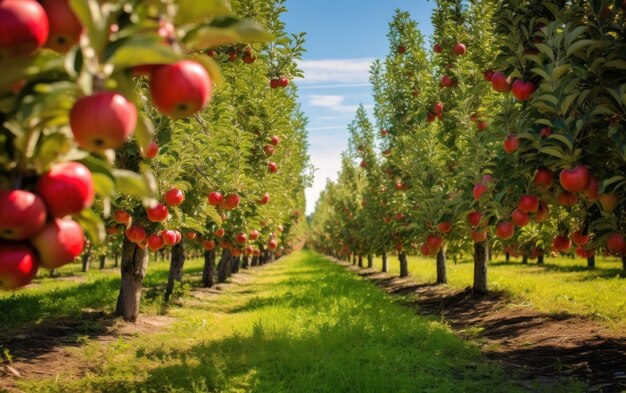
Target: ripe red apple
(191,235)
(215,198)
(481,125)
(274,83)
(425,249)
(566,198)
(545,132)
(219,232)
(437,48)
(434,242)
(192,93)
(438,107)
(430,117)
(272,244)
(581,252)
(543,178)
(520,218)
(543,212)
(511,144)
(18,262)
(67,188)
(579,239)
(528,203)
(272,167)
(169,237)
(231,201)
(103,121)
(283,81)
(157,213)
(474,218)
(241,238)
(23,26)
(264,199)
(444,227)
(401,49)
(22,214)
(488,75)
(136,233)
(111,230)
(254,234)
(269,150)
(479,236)
(575,179)
(592,192)
(615,243)
(479,190)
(275,140)
(208,245)
(505,230)
(121,217)
(65,28)
(174,197)
(399,216)
(459,49)
(608,202)
(155,242)
(561,243)
(179,237)
(384,133)
(447,81)
(59,243)
(522,90)
(151,151)
(500,82)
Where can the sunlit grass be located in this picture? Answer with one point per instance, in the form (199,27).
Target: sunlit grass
(302,324)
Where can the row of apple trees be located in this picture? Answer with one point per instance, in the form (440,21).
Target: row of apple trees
(137,126)
(508,134)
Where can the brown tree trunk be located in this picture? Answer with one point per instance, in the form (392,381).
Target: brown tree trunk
(370,261)
(404,266)
(103,259)
(208,272)
(591,262)
(223,267)
(134,267)
(624,262)
(117,258)
(177,262)
(540,260)
(524,260)
(481,256)
(361,261)
(245,262)
(354,259)
(86,260)
(507,257)
(52,272)
(385,263)
(234,264)
(255,261)
(442,276)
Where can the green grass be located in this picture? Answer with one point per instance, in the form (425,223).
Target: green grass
(560,285)
(302,324)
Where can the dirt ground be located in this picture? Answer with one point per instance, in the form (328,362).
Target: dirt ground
(533,344)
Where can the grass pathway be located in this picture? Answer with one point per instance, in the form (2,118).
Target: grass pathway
(302,324)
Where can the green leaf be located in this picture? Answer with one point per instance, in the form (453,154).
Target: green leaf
(133,184)
(212,213)
(578,45)
(564,139)
(105,186)
(567,102)
(228,31)
(554,151)
(612,180)
(90,16)
(190,11)
(140,50)
(545,49)
(53,145)
(92,224)
(212,68)
(144,133)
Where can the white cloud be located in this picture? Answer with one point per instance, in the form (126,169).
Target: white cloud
(336,71)
(336,86)
(332,102)
(343,127)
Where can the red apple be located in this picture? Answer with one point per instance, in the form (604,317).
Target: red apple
(274,83)
(520,218)
(274,140)
(528,203)
(179,237)
(22,214)
(59,243)
(241,238)
(479,190)
(438,107)
(511,144)
(434,242)
(522,90)
(215,198)
(481,125)
(254,234)
(615,243)
(505,230)
(269,150)
(23,26)
(561,243)
(208,245)
(575,179)
(155,242)
(447,81)
(608,202)
(264,199)
(479,236)
(18,262)
(579,239)
(545,132)
(437,48)
(67,188)
(103,121)
(174,197)
(500,82)
(425,249)
(192,93)
(401,49)
(157,213)
(474,218)
(111,230)
(430,117)
(191,235)
(151,151)
(592,192)
(121,217)
(543,212)
(231,201)
(272,167)
(444,227)
(459,49)
(169,237)
(283,81)
(65,28)
(566,198)
(219,232)
(272,244)
(488,75)
(136,233)
(543,178)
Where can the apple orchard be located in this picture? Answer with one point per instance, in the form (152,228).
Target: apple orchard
(137,127)
(505,136)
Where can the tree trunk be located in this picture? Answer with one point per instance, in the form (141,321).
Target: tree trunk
(223,268)
(354,259)
(624,262)
(246,262)
(52,272)
(134,267)
(442,276)
(385,264)
(524,260)
(86,259)
(540,260)
(234,264)
(481,256)
(507,257)
(591,262)
(208,272)
(370,261)
(117,258)
(255,261)
(404,266)
(103,259)
(177,262)
(361,261)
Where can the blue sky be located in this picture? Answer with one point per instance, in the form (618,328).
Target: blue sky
(343,38)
